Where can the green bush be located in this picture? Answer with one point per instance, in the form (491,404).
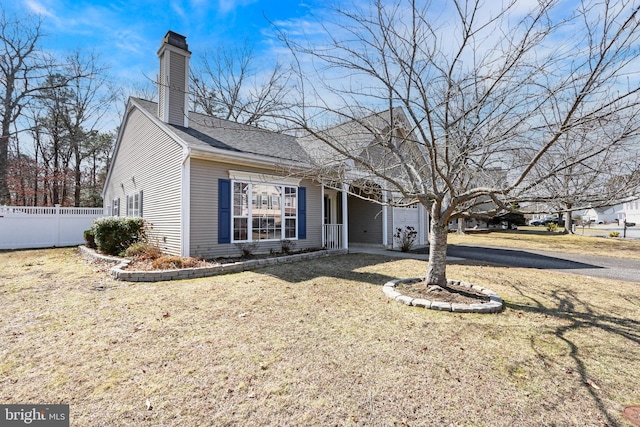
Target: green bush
(90,238)
(113,235)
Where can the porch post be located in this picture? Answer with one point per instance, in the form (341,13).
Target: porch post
(385,225)
(324,237)
(422,225)
(345,217)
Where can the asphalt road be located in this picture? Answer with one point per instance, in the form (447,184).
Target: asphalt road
(585,265)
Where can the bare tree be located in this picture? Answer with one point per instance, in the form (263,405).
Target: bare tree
(88,100)
(580,176)
(23,67)
(98,151)
(54,139)
(231,85)
(477,96)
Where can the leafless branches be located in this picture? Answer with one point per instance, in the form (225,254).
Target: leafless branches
(498,102)
(230,84)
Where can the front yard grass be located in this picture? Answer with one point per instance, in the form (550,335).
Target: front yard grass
(314,343)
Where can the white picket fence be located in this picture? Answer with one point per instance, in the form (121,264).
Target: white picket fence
(23,227)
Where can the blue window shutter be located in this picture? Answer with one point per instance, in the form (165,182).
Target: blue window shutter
(302,212)
(224,211)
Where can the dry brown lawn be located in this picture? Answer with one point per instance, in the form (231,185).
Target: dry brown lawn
(314,343)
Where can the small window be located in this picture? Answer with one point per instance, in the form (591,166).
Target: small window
(115,210)
(134,204)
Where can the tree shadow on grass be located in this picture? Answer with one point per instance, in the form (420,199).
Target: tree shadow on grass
(338,267)
(577,315)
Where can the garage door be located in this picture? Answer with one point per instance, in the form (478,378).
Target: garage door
(406,217)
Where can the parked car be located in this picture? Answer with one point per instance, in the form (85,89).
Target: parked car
(543,221)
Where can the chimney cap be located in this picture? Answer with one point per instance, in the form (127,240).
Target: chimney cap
(175,39)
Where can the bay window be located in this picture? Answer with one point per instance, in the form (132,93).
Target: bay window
(264,211)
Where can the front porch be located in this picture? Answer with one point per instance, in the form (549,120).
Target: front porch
(349,220)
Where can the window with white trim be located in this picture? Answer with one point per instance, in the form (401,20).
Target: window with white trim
(134,204)
(261,209)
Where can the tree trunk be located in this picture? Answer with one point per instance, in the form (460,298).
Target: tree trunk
(5,195)
(77,175)
(568,228)
(436,272)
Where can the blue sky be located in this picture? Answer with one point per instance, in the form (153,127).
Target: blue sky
(127,33)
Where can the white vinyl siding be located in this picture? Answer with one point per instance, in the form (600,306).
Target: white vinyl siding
(149,160)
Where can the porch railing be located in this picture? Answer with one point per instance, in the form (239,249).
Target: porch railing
(332,236)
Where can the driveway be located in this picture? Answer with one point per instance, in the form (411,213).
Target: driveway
(596,266)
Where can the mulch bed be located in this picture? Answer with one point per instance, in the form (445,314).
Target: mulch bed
(450,293)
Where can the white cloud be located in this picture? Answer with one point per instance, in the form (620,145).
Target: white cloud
(178,9)
(39,9)
(228,6)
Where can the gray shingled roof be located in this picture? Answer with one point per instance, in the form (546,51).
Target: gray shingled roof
(212,132)
(355,137)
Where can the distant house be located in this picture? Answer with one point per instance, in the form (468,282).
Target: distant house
(631,211)
(603,215)
(208,185)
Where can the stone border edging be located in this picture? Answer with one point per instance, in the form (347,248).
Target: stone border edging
(494,305)
(120,273)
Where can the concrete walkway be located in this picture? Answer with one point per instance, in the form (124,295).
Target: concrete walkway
(393,253)
(386,252)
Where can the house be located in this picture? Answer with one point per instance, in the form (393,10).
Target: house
(631,211)
(606,214)
(208,186)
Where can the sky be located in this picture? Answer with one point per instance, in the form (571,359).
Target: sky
(126,34)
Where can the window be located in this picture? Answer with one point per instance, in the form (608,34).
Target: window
(134,204)
(260,210)
(240,211)
(115,210)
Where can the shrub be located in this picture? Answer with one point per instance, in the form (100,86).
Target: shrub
(113,235)
(90,238)
(287,245)
(552,226)
(172,262)
(406,238)
(143,251)
(614,234)
(246,249)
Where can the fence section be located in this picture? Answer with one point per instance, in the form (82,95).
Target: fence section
(23,227)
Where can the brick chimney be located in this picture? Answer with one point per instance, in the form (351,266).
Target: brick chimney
(173,83)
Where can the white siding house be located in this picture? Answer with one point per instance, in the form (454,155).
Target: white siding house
(208,185)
